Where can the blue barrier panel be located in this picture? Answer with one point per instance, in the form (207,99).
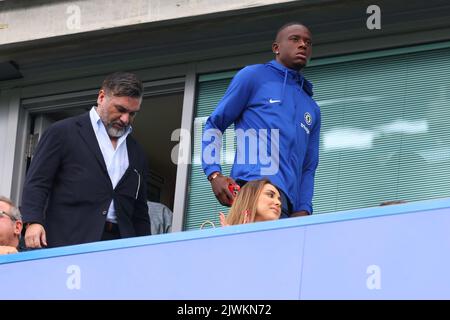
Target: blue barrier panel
(404,256)
(393,252)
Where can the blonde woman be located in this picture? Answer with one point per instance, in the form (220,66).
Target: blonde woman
(258,200)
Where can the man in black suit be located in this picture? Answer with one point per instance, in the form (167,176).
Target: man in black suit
(86,181)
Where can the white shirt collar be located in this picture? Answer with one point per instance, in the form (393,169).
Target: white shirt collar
(97,123)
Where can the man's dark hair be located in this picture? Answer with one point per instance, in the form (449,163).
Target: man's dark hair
(286,25)
(123,84)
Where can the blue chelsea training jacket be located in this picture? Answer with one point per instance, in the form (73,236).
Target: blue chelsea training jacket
(277,125)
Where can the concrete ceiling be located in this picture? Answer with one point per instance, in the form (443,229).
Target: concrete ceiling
(200,38)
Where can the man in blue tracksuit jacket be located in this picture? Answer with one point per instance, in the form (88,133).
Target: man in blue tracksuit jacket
(277,125)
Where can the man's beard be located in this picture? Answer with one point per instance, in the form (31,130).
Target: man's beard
(114,132)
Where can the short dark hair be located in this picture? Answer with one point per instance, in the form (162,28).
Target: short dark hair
(123,84)
(286,25)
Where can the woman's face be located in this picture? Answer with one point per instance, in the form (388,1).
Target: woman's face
(268,206)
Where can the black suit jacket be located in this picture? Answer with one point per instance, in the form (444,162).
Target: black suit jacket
(68,189)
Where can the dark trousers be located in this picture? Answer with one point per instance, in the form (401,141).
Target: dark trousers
(111,231)
(286,206)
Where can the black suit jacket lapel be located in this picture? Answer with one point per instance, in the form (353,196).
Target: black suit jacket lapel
(131,149)
(88,135)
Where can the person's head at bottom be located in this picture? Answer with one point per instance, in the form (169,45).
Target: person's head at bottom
(258,200)
(10,226)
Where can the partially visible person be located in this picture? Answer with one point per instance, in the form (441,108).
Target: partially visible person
(87,180)
(10,226)
(160,218)
(258,200)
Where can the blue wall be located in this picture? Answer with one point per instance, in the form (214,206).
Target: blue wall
(393,252)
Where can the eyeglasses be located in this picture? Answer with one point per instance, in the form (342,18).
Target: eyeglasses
(4,213)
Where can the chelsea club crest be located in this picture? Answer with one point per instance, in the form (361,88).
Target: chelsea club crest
(308,118)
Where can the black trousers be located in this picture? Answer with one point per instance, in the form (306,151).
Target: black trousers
(111,231)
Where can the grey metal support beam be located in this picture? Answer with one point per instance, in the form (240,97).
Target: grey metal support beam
(9,119)
(187,120)
(20,157)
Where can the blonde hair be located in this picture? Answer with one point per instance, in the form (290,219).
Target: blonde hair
(244,206)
